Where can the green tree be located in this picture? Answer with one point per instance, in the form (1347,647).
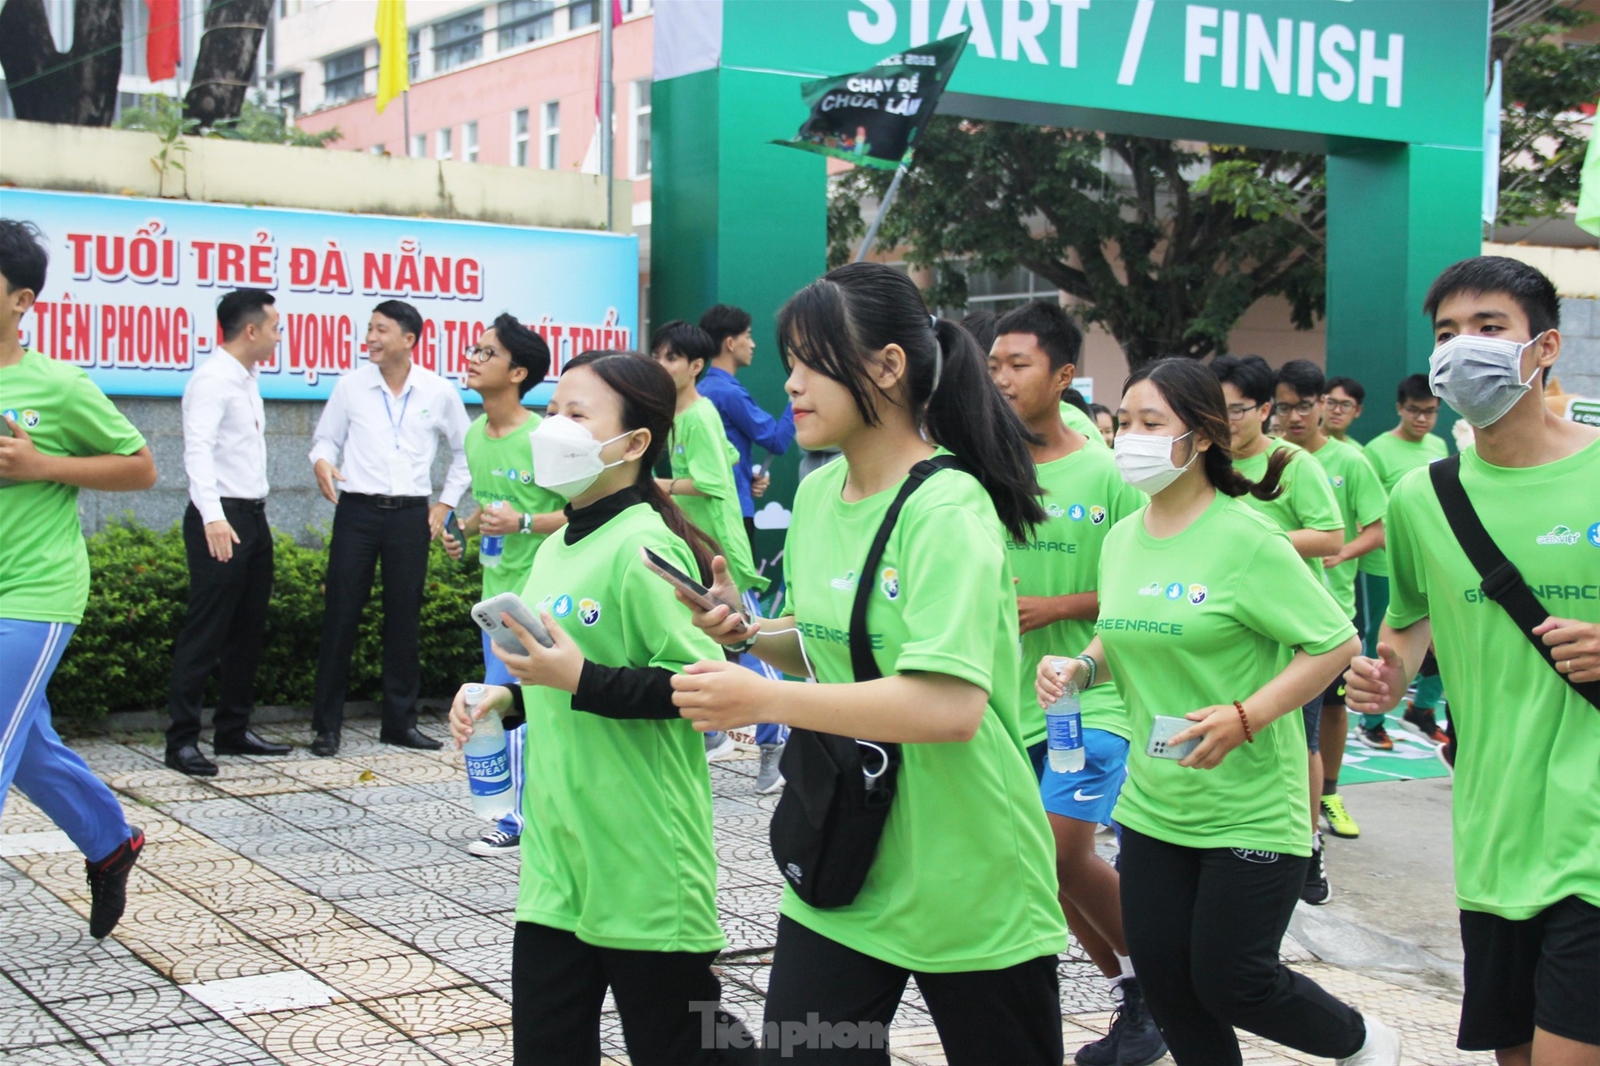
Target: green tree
(1166,243)
(1546,82)
(256,122)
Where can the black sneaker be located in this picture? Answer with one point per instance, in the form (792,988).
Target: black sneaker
(108,884)
(1316,891)
(1102,1052)
(1141,1042)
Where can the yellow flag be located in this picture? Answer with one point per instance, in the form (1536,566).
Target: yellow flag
(394,52)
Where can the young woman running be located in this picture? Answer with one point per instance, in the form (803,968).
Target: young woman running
(961,891)
(1200,599)
(618,881)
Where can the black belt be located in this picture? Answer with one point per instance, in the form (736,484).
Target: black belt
(244,504)
(386,503)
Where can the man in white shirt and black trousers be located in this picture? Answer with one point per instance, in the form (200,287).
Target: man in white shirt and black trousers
(226,539)
(386,420)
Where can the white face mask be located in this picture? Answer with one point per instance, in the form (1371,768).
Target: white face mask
(566,457)
(1479,377)
(1145,460)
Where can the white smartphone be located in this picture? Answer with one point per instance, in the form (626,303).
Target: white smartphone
(1163,729)
(681,581)
(487,615)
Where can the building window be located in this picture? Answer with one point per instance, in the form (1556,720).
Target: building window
(524,21)
(583,13)
(639,127)
(635,7)
(550,136)
(419,146)
(469,142)
(445,138)
(519,138)
(1001,292)
(414,47)
(458,41)
(289,93)
(344,75)
(378,149)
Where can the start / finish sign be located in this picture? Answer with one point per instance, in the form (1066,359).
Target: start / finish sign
(1388,70)
(133,285)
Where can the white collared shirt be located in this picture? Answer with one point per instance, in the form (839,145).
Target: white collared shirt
(224,435)
(388,442)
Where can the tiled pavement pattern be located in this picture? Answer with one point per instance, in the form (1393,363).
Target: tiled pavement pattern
(323,912)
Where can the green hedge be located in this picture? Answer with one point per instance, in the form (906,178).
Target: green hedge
(120,659)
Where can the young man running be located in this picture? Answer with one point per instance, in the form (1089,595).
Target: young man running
(1527,809)
(1394,454)
(702,484)
(1309,513)
(1032,363)
(514,515)
(1303,402)
(58,434)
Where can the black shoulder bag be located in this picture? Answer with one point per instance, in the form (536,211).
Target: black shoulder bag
(1502,581)
(836,801)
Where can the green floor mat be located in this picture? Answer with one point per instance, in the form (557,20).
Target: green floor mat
(1412,757)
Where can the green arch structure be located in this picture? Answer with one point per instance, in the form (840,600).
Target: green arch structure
(1390,90)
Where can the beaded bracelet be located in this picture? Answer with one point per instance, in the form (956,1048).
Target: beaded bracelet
(1249,734)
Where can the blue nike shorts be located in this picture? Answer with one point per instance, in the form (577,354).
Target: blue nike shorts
(1091,793)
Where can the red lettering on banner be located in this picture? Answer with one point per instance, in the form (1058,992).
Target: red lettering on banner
(335,275)
(264,262)
(108,332)
(469,279)
(412,274)
(181,357)
(144,335)
(427,344)
(109,261)
(230,264)
(80,255)
(302,269)
(203,251)
(406,282)
(320,344)
(125,335)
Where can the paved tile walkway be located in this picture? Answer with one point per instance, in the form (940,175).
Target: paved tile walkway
(323,912)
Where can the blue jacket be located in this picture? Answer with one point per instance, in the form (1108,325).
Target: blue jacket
(746,425)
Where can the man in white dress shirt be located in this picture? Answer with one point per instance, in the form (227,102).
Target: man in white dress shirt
(226,539)
(385,420)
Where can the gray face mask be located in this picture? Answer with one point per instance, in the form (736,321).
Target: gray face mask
(1480,377)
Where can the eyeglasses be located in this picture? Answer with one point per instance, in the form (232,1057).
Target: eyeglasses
(1341,406)
(1237,411)
(1304,407)
(480,354)
(1420,412)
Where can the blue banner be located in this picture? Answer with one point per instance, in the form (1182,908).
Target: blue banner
(133,287)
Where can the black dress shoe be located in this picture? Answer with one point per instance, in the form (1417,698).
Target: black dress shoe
(325,745)
(247,743)
(412,737)
(188,760)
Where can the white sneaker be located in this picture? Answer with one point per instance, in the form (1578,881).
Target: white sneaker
(495,842)
(1382,1047)
(720,746)
(769,779)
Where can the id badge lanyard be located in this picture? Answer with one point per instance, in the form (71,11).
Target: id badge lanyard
(399,468)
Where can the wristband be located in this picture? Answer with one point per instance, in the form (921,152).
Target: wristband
(744,645)
(527,523)
(1088,661)
(1249,734)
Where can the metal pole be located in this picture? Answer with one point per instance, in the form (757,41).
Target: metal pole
(607,106)
(883,209)
(405,105)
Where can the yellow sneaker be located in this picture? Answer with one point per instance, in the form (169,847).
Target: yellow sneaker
(1340,824)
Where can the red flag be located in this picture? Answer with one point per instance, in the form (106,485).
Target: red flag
(161,47)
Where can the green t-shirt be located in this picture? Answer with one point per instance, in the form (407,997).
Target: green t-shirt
(502,471)
(44,566)
(1084,497)
(618,846)
(702,452)
(1362,501)
(1527,805)
(965,873)
(1306,502)
(1072,416)
(1393,457)
(1199,619)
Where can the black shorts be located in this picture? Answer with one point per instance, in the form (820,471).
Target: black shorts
(1543,971)
(1334,693)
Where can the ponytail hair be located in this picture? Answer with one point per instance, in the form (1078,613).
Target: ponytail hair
(835,323)
(649,401)
(1195,396)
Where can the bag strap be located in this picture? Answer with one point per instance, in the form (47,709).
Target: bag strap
(1501,580)
(862,661)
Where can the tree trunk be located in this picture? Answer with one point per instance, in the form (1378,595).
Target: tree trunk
(79,87)
(226,66)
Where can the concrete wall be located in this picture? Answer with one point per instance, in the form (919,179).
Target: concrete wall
(39,155)
(294,505)
(1578,369)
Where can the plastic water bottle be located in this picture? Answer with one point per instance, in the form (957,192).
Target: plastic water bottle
(1063,721)
(488,762)
(491,548)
